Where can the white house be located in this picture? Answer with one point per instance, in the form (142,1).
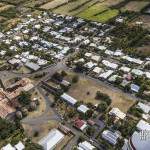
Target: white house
(106,74)
(143,125)
(97,70)
(85,146)
(110,136)
(53,138)
(109,64)
(8,147)
(117,113)
(68,99)
(135,88)
(144,107)
(83,109)
(125,69)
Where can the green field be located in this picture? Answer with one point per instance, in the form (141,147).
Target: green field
(98,12)
(106,16)
(92,11)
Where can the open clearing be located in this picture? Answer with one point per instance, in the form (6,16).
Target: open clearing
(42,129)
(53,4)
(74,7)
(84,85)
(135,6)
(41,108)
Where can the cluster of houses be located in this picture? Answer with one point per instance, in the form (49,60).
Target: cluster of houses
(39,41)
(113,65)
(18,146)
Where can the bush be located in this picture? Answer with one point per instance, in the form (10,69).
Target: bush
(102,107)
(24,98)
(103,97)
(75,79)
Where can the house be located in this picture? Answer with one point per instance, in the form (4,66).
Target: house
(143,125)
(80,124)
(144,107)
(86,146)
(101,47)
(147,74)
(124,83)
(108,52)
(95,58)
(109,64)
(53,138)
(65,83)
(8,147)
(97,70)
(125,69)
(135,88)
(68,99)
(111,137)
(113,78)
(117,113)
(20,146)
(118,53)
(83,109)
(90,65)
(106,74)
(133,60)
(14,61)
(137,72)
(32,66)
(88,55)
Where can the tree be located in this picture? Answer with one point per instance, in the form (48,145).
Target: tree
(63,73)
(90,131)
(103,97)
(6,129)
(24,98)
(57,76)
(75,79)
(102,107)
(33,146)
(89,114)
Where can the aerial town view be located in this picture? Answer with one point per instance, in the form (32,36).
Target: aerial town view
(74,74)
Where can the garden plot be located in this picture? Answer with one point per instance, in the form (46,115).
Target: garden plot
(72,7)
(99,12)
(36,3)
(8,11)
(110,3)
(135,6)
(15,2)
(53,4)
(92,11)
(106,16)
